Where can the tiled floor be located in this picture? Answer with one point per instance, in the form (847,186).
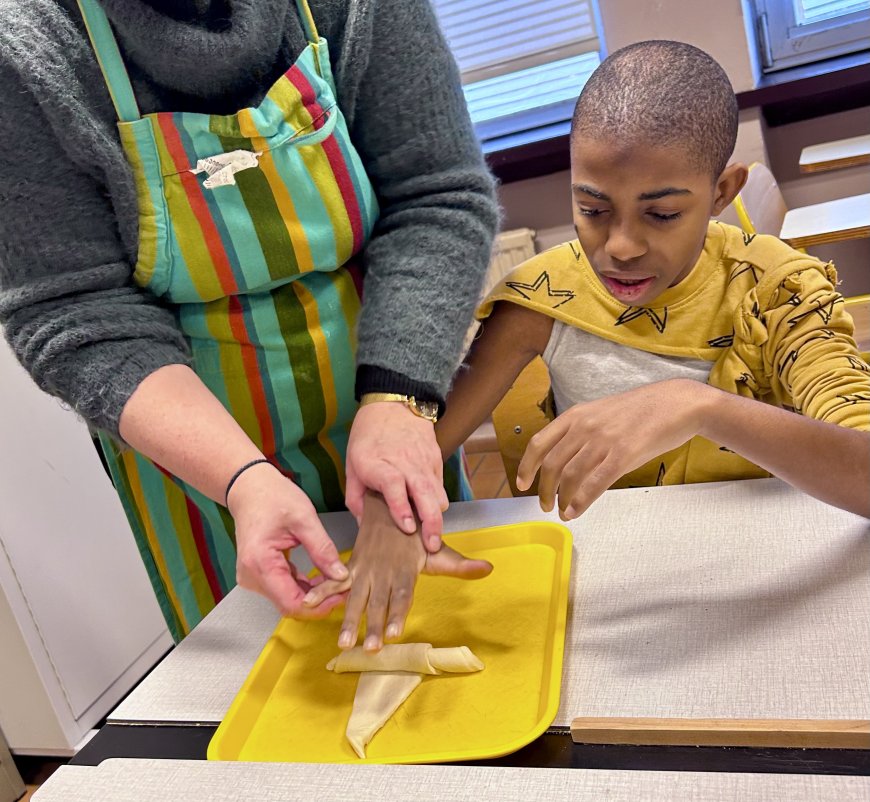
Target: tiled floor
(488,478)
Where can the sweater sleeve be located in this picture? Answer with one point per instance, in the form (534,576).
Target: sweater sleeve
(68,306)
(811,355)
(428,256)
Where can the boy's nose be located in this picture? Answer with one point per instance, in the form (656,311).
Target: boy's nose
(624,244)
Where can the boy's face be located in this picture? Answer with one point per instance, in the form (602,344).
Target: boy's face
(641,214)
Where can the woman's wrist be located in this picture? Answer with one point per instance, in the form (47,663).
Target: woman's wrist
(234,478)
(249,482)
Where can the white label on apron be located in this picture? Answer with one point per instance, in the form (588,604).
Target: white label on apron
(222,168)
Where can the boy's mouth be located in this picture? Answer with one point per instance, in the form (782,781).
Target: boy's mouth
(627,290)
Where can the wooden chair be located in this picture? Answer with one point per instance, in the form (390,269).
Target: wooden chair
(525,409)
(759,208)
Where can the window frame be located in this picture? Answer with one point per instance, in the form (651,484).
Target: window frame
(785,44)
(531,124)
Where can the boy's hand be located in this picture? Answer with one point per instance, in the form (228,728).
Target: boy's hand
(590,446)
(383,571)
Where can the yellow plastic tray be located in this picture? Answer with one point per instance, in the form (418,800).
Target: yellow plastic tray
(291,709)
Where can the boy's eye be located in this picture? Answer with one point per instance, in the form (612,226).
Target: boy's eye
(665,217)
(589,212)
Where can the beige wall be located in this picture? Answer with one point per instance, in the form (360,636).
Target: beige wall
(720,28)
(716,26)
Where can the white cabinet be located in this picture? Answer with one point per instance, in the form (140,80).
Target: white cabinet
(79,623)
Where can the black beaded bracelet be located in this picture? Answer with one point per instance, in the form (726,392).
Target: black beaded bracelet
(238,473)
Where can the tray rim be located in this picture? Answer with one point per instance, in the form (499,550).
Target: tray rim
(563,549)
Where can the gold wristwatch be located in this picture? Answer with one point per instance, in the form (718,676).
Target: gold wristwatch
(422,409)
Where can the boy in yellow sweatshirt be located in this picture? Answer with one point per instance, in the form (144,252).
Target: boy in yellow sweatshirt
(679,349)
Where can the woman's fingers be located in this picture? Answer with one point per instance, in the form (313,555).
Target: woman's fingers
(395,492)
(323,590)
(428,497)
(312,537)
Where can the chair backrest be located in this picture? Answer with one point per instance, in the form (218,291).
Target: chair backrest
(759,206)
(524,411)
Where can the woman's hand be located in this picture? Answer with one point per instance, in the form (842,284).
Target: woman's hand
(383,572)
(272,517)
(393,452)
(590,446)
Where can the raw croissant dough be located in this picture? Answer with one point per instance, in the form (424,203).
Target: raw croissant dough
(388,677)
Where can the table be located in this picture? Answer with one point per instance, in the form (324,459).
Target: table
(836,154)
(736,599)
(822,223)
(196,781)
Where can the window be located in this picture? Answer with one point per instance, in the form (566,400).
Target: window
(793,32)
(523,64)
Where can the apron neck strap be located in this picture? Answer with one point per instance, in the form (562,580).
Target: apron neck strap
(110,61)
(112,64)
(308,22)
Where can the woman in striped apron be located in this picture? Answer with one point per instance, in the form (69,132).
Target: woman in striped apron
(249,228)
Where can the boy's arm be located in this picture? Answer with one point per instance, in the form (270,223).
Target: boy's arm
(508,340)
(810,353)
(823,459)
(587,448)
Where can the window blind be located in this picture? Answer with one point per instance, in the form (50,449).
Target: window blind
(523,63)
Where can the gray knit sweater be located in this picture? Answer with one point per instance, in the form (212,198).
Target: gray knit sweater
(68,224)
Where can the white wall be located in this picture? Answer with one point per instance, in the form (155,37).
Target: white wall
(720,28)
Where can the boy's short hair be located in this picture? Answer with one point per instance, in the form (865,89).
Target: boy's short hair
(661,93)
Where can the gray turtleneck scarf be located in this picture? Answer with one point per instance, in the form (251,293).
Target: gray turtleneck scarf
(68,208)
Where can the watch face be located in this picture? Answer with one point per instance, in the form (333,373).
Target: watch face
(427,409)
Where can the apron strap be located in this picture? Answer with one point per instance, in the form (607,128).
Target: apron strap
(308,22)
(110,61)
(112,64)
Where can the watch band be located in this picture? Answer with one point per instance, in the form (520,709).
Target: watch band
(373,398)
(408,400)
(371,379)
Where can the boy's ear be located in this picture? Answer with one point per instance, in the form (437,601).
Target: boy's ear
(730,182)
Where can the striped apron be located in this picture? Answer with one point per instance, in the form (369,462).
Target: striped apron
(249,225)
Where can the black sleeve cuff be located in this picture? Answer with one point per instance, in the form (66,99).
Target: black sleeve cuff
(371,379)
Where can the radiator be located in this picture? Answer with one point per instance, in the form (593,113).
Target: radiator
(509,249)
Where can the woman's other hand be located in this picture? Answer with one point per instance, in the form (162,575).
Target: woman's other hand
(273,516)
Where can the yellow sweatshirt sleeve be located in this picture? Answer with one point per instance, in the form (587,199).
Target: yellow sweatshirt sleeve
(810,354)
